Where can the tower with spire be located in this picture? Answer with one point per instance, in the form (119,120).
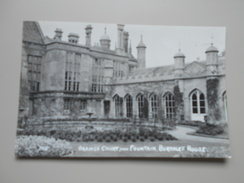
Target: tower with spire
(141,54)
(105,40)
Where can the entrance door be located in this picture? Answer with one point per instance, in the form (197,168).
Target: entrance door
(106,108)
(198,107)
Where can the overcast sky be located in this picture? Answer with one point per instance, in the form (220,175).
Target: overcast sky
(162,41)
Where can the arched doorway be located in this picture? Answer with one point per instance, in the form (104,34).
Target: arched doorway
(198,105)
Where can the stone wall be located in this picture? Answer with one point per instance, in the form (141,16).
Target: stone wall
(147,89)
(32,45)
(53,70)
(51,104)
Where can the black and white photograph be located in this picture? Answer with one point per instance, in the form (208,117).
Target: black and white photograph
(122,90)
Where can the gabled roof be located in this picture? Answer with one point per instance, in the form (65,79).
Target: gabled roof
(194,68)
(32,32)
(162,71)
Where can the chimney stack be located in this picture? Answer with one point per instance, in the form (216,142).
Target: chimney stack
(88,35)
(125,41)
(73,38)
(58,34)
(120,45)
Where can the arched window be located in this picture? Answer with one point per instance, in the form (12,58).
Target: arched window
(154,106)
(142,106)
(118,106)
(198,102)
(129,106)
(169,101)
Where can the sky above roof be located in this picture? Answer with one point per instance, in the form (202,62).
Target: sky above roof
(162,42)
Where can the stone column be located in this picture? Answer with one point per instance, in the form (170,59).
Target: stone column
(94,107)
(213,102)
(102,109)
(112,110)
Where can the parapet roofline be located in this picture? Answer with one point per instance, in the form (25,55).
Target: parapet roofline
(91,48)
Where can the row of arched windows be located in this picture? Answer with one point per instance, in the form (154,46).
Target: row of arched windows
(144,107)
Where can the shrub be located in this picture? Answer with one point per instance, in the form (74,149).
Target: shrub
(209,129)
(125,138)
(152,138)
(52,132)
(108,139)
(133,138)
(142,138)
(191,123)
(100,138)
(85,137)
(40,146)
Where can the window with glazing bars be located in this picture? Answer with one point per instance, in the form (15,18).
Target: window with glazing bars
(169,106)
(72,72)
(67,104)
(34,72)
(141,106)
(83,104)
(97,76)
(154,106)
(118,106)
(118,69)
(198,102)
(129,106)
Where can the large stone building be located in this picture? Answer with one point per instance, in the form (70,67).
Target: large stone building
(61,79)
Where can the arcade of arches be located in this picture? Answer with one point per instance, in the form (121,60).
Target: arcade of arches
(155,107)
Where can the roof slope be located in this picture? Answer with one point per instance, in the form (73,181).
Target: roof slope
(32,32)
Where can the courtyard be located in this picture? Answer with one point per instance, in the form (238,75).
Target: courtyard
(186,145)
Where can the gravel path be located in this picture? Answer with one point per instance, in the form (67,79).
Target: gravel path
(181,133)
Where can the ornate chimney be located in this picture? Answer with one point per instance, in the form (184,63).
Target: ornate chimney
(73,38)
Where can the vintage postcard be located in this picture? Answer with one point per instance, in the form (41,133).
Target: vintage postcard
(115,90)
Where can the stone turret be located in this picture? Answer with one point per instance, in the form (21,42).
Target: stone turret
(179,64)
(212,60)
(212,84)
(105,40)
(141,54)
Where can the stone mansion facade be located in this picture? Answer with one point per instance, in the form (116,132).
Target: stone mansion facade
(64,79)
